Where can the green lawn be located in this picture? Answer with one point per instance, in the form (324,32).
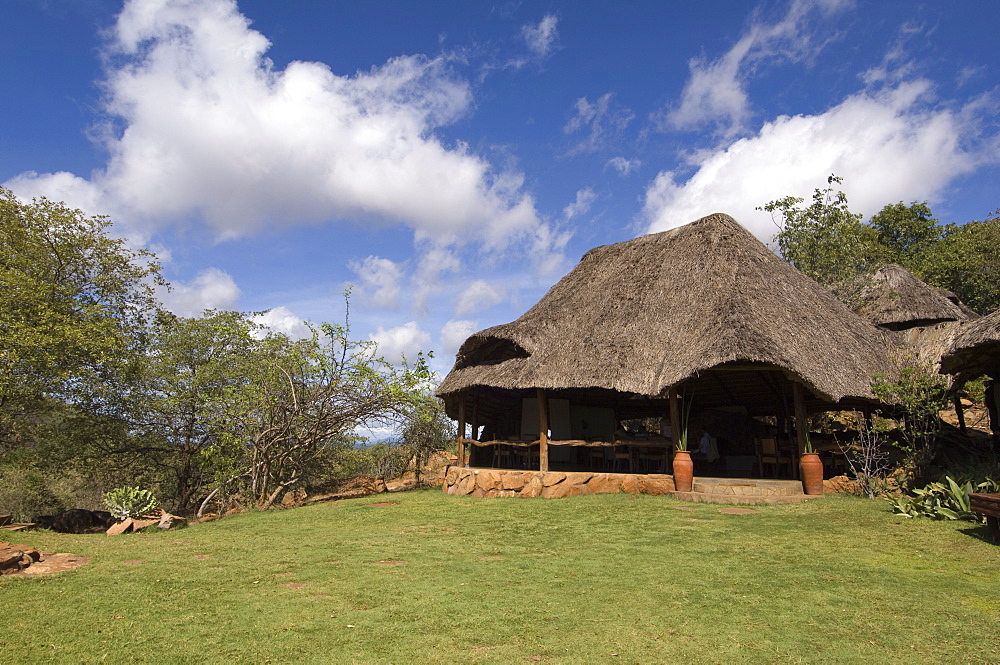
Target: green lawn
(595,579)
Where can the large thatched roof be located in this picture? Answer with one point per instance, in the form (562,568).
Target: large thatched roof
(976,349)
(640,316)
(894,298)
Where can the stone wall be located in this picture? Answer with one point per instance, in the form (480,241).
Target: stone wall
(550,484)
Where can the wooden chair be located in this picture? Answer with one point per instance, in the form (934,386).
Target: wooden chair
(503,457)
(771,457)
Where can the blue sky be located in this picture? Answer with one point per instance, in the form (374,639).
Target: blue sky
(452,160)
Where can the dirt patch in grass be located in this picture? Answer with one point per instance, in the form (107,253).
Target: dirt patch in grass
(683,508)
(381,504)
(134,562)
(390,562)
(295,585)
(201,557)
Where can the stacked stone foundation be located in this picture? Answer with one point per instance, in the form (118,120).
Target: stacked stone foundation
(550,484)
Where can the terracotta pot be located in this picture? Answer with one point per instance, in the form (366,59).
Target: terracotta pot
(812,473)
(683,471)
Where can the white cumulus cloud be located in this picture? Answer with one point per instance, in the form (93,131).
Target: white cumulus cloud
(201,125)
(622,165)
(211,289)
(381,280)
(454,333)
(543,37)
(890,145)
(600,122)
(283,320)
(405,341)
(715,94)
(479,295)
(581,205)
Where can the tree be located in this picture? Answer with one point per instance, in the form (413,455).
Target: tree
(965,260)
(72,313)
(427,430)
(304,395)
(832,245)
(916,396)
(824,240)
(906,233)
(181,402)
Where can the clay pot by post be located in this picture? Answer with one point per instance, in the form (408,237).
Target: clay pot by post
(683,471)
(812,473)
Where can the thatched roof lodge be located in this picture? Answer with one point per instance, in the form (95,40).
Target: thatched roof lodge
(705,311)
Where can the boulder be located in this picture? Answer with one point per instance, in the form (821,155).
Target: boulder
(465,483)
(578,478)
(121,527)
(15,558)
(550,478)
(487,480)
(77,520)
(168,521)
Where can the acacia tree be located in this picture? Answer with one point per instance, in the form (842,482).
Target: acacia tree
(298,398)
(73,308)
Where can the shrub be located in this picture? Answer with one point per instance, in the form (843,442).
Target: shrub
(948,500)
(126,502)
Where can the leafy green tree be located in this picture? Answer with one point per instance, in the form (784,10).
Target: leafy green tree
(916,397)
(966,261)
(906,233)
(824,240)
(181,402)
(72,313)
(427,430)
(828,242)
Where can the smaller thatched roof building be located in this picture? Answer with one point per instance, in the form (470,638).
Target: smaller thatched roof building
(925,318)
(895,299)
(975,349)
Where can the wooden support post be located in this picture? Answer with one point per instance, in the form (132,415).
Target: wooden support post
(475,418)
(960,414)
(543,431)
(675,415)
(992,399)
(461,431)
(801,421)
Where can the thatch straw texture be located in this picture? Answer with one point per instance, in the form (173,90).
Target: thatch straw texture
(976,349)
(640,316)
(894,298)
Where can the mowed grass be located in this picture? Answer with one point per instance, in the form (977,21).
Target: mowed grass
(442,579)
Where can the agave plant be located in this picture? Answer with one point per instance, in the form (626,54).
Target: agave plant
(129,502)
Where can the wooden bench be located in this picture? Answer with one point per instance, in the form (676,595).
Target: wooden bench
(988,505)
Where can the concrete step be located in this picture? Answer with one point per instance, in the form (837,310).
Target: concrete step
(741,499)
(747,486)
